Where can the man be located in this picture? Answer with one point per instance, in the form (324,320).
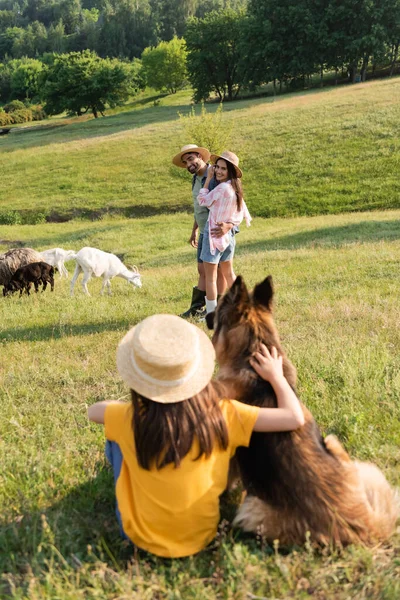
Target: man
(194,159)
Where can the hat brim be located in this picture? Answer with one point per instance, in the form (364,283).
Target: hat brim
(204,153)
(159,393)
(215,157)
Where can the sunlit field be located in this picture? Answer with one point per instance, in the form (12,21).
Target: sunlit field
(326,151)
(337,308)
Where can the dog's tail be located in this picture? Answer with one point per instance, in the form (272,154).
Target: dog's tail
(334,447)
(382,498)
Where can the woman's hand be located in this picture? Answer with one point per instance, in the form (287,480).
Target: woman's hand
(268,365)
(210,174)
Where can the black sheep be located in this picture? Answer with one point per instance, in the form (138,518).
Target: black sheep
(36,273)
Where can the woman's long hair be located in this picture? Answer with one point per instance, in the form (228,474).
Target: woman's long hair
(235,182)
(164,433)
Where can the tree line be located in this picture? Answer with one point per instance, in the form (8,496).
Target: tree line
(224,50)
(288,41)
(111,28)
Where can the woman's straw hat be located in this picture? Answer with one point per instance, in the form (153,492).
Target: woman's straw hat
(204,153)
(231,158)
(166,359)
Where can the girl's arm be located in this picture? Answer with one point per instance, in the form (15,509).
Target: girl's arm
(96,411)
(289,414)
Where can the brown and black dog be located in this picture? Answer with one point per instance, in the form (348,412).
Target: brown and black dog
(297,483)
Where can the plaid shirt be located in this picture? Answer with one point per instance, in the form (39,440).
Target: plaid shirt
(222,205)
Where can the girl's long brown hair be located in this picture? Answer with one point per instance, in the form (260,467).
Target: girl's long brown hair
(164,433)
(235,182)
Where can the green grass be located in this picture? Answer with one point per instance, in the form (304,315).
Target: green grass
(338,312)
(326,151)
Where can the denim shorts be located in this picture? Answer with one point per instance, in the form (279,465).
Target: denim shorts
(219,256)
(199,247)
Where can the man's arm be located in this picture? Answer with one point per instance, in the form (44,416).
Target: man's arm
(193,235)
(221,229)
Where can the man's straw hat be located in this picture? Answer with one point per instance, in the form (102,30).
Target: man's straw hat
(166,359)
(230,157)
(204,153)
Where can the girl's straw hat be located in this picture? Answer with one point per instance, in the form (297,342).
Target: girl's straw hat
(190,148)
(166,359)
(231,158)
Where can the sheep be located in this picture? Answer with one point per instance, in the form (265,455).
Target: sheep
(92,261)
(14,259)
(57,257)
(36,273)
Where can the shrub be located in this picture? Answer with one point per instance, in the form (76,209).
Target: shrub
(5,119)
(38,112)
(10,217)
(21,116)
(34,218)
(207,129)
(14,105)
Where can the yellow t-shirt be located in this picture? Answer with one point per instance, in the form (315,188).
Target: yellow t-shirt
(174,512)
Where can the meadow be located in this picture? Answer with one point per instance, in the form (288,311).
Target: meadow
(325,151)
(337,309)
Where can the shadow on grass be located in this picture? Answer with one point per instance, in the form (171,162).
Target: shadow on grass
(362,232)
(82,528)
(101,127)
(84,516)
(58,331)
(42,135)
(131,211)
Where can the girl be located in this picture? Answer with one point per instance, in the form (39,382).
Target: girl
(225,204)
(170,446)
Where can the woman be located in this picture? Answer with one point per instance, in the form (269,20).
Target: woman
(225,204)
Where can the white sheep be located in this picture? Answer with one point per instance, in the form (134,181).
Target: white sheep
(92,261)
(57,257)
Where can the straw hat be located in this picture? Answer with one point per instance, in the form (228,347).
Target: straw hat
(231,158)
(166,359)
(204,153)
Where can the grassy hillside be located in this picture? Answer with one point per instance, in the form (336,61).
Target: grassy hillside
(338,312)
(325,151)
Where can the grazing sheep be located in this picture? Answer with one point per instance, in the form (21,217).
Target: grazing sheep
(92,261)
(57,257)
(14,259)
(36,273)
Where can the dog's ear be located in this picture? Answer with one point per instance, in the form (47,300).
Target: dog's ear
(263,293)
(238,294)
(234,303)
(210,320)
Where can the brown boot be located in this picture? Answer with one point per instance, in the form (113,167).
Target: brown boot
(198,302)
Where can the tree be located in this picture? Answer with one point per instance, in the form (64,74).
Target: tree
(213,54)
(165,65)
(285,38)
(127,28)
(82,81)
(5,82)
(171,16)
(7,19)
(7,39)
(56,38)
(26,78)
